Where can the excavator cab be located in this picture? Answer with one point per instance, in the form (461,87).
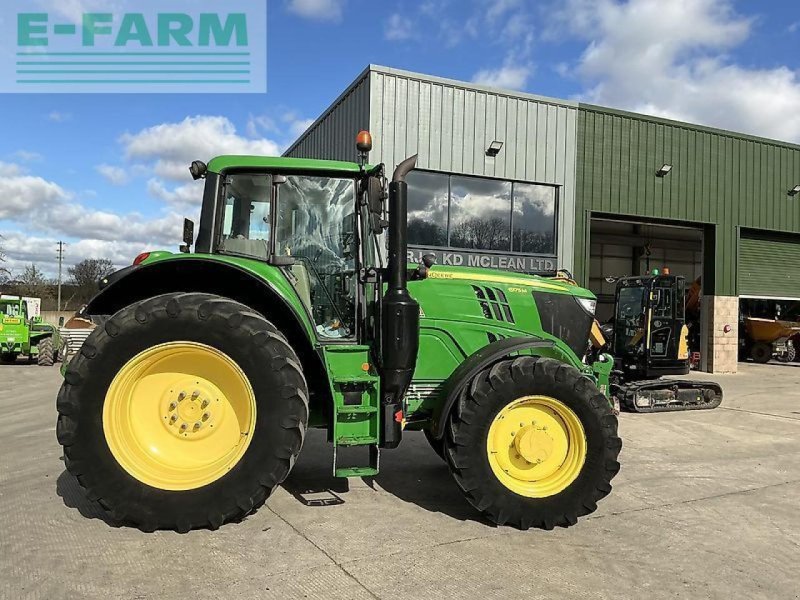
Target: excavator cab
(650,335)
(650,339)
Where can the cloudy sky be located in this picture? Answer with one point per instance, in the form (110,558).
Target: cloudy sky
(108,173)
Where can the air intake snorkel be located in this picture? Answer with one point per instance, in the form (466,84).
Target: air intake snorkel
(400,326)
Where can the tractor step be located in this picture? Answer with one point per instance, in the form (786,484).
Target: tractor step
(357,470)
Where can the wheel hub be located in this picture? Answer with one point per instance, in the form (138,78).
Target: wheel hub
(179,416)
(536,446)
(191,408)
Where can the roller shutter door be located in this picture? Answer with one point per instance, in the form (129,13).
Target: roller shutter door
(769,266)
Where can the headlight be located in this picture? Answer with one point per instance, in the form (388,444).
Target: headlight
(587,304)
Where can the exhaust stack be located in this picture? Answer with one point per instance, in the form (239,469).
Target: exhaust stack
(400,322)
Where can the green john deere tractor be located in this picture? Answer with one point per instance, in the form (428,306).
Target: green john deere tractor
(23,335)
(188,405)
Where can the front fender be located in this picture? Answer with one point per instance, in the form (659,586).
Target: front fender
(486,357)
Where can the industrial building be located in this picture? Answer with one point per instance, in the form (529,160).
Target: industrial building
(515,181)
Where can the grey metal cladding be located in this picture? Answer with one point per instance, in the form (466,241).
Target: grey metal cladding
(450,125)
(333,134)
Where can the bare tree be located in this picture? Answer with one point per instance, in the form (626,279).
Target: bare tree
(32,282)
(86,276)
(482,234)
(4,272)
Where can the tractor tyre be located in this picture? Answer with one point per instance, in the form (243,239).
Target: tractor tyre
(761,352)
(46,353)
(182,411)
(436,445)
(532,442)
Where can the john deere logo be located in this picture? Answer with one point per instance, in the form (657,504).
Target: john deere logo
(154,46)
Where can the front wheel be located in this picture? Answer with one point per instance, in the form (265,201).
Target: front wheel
(46,354)
(532,442)
(182,411)
(8,358)
(761,352)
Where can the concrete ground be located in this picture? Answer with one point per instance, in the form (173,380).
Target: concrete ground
(706,506)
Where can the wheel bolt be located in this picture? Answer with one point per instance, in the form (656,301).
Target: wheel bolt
(173,418)
(195,394)
(198,425)
(204,404)
(206,416)
(183,426)
(173,405)
(181,396)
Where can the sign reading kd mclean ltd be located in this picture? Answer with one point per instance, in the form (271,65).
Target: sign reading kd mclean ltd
(512,262)
(134,46)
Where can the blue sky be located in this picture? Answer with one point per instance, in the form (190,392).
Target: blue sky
(107,173)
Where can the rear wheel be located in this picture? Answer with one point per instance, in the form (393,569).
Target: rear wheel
(761,352)
(532,442)
(182,411)
(46,353)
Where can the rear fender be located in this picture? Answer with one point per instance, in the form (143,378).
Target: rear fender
(196,274)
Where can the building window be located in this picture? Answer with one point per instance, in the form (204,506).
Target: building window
(480,213)
(428,195)
(534,219)
(477,213)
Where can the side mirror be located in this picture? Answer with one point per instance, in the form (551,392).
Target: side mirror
(377,194)
(188,235)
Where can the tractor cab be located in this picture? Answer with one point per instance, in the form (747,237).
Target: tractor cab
(650,336)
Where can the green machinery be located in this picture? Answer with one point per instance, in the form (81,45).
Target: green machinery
(24,335)
(189,404)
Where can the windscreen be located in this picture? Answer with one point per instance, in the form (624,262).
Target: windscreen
(629,329)
(316,225)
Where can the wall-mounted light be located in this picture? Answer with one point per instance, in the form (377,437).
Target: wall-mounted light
(794,191)
(494,148)
(664,170)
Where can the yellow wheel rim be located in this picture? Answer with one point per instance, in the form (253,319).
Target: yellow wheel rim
(536,446)
(179,416)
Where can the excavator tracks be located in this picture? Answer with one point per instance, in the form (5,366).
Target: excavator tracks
(667,395)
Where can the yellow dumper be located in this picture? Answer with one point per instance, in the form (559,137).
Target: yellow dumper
(770,337)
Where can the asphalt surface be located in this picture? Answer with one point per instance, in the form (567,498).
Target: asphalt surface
(706,506)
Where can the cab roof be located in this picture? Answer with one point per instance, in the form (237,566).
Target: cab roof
(280,163)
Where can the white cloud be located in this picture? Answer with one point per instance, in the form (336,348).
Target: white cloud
(183,196)
(33,204)
(26,196)
(509,76)
(398,27)
(114,175)
(24,249)
(27,155)
(10,169)
(173,146)
(320,10)
(672,59)
(59,117)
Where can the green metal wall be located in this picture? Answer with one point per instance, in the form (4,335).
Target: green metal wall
(718,178)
